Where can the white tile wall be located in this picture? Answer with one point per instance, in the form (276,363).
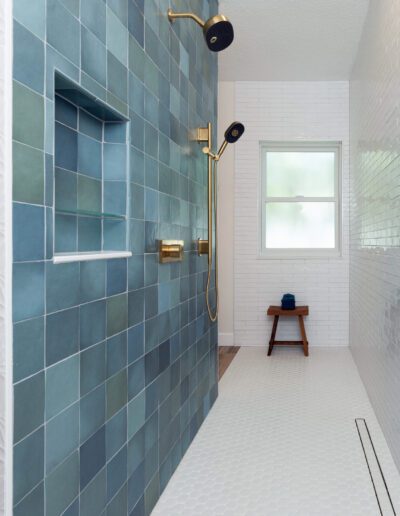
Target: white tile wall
(288,111)
(375,215)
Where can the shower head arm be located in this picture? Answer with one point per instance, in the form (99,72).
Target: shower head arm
(221,150)
(215,157)
(172,16)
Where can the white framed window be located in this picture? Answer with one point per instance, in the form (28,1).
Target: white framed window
(300,199)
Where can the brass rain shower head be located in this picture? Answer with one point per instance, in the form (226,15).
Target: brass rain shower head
(217,31)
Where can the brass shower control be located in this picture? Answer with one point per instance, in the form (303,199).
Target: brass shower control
(202,247)
(171,251)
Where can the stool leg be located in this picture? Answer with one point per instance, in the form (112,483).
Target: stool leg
(272,340)
(303,335)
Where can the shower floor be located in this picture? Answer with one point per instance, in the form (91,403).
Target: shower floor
(281,440)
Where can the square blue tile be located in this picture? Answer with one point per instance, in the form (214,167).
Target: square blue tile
(62,386)
(28,62)
(92,323)
(28,406)
(28,348)
(63,31)
(28,232)
(62,336)
(93,456)
(28,464)
(28,290)
(62,437)
(62,286)
(115,161)
(116,276)
(92,412)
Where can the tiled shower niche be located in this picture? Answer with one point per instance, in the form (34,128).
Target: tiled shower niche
(90,173)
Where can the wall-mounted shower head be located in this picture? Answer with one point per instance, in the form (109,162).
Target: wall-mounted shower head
(217,31)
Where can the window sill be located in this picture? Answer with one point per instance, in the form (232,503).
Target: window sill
(288,255)
(85,257)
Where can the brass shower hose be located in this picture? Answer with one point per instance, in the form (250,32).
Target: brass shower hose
(213,316)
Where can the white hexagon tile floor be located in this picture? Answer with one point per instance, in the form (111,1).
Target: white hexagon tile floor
(281,440)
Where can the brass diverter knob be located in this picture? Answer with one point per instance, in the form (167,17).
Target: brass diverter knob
(171,251)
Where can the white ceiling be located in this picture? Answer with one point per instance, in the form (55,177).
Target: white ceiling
(292,39)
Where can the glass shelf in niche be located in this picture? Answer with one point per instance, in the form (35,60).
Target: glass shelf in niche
(88,213)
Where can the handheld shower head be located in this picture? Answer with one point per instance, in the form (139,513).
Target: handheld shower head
(217,31)
(232,135)
(234,132)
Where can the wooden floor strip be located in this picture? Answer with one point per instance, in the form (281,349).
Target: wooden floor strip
(226,354)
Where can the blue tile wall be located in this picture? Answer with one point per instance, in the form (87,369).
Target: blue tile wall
(114,361)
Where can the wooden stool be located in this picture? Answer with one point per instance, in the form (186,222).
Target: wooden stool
(299,311)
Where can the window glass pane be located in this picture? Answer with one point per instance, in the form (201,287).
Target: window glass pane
(308,174)
(300,225)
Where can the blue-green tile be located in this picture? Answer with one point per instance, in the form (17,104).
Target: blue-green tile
(94,54)
(28,348)
(62,486)
(92,323)
(93,456)
(62,437)
(62,335)
(92,412)
(31,15)
(28,406)
(28,464)
(62,386)
(65,112)
(28,116)
(28,290)
(117,314)
(115,433)
(117,78)
(115,197)
(93,367)
(116,472)
(63,31)
(32,504)
(116,353)
(116,276)
(93,280)
(89,156)
(117,37)
(93,498)
(28,61)
(93,14)
(89,234)
(62,286)
(116,393)
(28,174)
(28,232)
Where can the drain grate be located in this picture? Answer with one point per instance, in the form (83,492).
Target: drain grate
(378,480)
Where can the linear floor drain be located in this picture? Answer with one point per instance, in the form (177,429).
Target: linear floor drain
(378,480)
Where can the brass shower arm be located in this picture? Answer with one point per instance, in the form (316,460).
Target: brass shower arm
(221,150)
(172,16)
(215,157)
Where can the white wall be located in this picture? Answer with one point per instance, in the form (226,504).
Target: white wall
(226,210)
(284,111)
(5,259)
(375,215)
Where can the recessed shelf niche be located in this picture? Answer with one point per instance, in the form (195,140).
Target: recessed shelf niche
(90,173)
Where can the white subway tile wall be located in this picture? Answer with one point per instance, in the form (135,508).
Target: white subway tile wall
(288,111)
(375,215)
